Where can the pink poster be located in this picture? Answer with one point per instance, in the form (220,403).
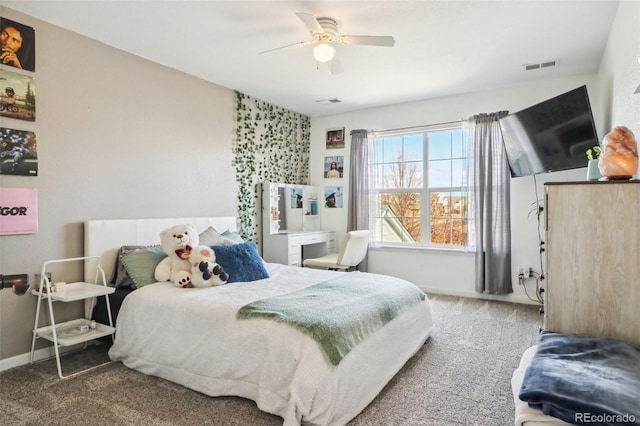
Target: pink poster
(18,211)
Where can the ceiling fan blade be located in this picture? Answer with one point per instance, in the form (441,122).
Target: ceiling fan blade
(311,22)
(300,43)
(363,40)
(335,66)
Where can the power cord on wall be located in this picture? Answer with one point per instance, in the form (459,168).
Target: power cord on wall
(522,280)
(531,274)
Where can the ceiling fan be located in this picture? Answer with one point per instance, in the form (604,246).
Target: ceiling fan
(324,32)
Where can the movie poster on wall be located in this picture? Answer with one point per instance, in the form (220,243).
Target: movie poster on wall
(18,45)
(17,96)
(18,211)
(18,152)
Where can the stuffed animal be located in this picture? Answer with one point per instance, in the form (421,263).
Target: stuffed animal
(177,243)
(205,272)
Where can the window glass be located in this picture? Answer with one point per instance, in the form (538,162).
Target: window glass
(421,178)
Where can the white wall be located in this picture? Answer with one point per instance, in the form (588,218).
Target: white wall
(118,137)
(441,271)
(619,73)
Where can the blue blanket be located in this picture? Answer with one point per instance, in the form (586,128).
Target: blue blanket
(584,380)
(341,312)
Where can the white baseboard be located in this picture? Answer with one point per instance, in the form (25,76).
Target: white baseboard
(38,355)
(474,295)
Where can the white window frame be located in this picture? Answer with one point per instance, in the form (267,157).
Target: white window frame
(425,191)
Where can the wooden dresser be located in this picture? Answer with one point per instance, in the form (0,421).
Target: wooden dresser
(593,259)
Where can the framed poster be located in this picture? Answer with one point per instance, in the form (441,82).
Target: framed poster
(333,167)
(18,45)
(333,197)
(296,198)
(17,95)
(335,138)
(18,152)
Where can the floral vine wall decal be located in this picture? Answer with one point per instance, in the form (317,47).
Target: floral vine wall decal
(271,144)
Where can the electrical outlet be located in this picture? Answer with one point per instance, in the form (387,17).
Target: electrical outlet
(524,272)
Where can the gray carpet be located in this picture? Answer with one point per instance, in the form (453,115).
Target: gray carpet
(461,376)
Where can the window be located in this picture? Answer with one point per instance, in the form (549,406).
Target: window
(420,190)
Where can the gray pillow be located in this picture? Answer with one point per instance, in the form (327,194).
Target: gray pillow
(211,237)
(233,236)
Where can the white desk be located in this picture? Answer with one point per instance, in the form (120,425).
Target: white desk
(291,248)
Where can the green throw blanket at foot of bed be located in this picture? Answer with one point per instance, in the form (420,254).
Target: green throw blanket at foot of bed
(341,312)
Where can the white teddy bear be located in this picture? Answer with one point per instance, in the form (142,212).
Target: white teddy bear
(205,272)
(177,242)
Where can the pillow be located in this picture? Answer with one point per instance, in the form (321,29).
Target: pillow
(233,236)
(211,237)
(141,264)
(241,261)
(121,277)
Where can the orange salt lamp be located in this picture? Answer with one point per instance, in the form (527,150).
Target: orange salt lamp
(619,157)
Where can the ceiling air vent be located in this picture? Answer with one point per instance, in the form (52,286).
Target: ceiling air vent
(329,101)
(546,64)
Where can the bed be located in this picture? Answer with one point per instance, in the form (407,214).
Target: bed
(200,339)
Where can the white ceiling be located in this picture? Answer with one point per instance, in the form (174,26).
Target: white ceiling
(442,47)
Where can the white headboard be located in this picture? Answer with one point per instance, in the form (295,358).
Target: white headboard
(105,237)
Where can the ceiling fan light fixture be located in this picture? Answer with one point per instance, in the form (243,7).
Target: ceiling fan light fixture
(323,52)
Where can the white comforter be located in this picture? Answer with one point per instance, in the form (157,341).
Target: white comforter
(192,337)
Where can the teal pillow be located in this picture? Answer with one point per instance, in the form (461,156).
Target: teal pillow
(121,277)
(141,264)
(241,261)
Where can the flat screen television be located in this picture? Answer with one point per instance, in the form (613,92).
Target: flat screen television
(550,136)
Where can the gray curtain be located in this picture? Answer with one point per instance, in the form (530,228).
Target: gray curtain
(491,205)
(358,211)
